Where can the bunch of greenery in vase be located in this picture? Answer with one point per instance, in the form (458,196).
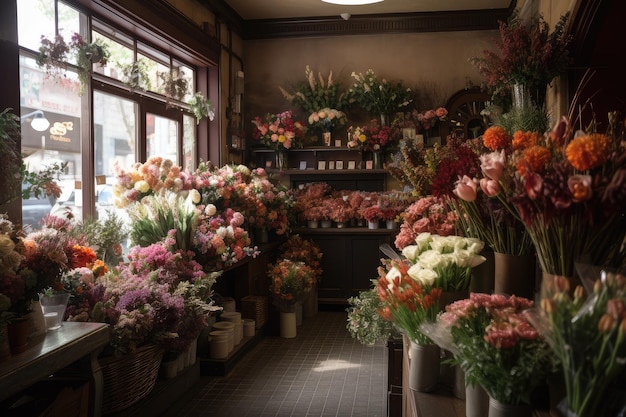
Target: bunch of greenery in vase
(315,94)
(201,107)
(378,96)
(365,324)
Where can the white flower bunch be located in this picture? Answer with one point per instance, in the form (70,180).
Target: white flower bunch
(444,261)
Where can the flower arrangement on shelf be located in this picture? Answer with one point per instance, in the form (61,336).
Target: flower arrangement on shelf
(327,119)
(378,96)
(340,209)
(495,344)
(422,121)
(445,262)
(365,323)
(307,205)
(564,187)
(406,299)
(586,329)
(290,281)
(315,94)
(374,137)
(264,204)
(372,214)
(526,53)
(299,249)
(278,131)
(429,214)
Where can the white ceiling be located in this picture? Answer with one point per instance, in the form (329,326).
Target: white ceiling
(284,9)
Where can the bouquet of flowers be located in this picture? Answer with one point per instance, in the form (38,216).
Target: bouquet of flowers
(445,262)
(298,249)
(373,138)
(290,281)
(495,344)
(327,119)
(372,213)
(365,323)
(340,209)
(407,299)
(420,121)
(566,188)
(526,53)
(586,330)
(379,96)
(314,94)
(481,213)
(428,214)
(278,131)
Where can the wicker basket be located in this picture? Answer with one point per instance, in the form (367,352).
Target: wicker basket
(129,378)
(255,307)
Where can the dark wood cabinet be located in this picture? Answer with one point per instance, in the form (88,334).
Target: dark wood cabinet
(350,261)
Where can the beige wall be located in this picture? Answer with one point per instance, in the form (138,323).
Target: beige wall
(436,63)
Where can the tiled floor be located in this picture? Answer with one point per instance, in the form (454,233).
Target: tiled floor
(322,372)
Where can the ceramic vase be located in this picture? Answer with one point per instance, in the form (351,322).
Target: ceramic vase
(288,328)
(424,367)
(498,409)
(312,224)
(326,224)
(515,275)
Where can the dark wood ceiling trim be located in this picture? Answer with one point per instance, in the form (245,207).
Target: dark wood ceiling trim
(161,23)
(225,13)
(375,24)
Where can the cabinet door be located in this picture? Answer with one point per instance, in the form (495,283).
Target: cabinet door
(365,260)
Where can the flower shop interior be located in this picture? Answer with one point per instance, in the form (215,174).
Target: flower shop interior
(312,208)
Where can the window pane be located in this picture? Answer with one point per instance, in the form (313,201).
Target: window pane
(162,137)
(115,139)
(120,62)
(189,143)
(56,101)
(34,19)
(189,75)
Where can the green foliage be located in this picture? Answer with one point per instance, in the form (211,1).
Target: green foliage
(135,75)
(316,93)
(364,322)
(525,119)
(378,96)
(42,183)
(175,84)
(201,107)
(103,234)
(10,155)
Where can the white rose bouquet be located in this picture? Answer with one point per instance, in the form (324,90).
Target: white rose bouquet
(445,262)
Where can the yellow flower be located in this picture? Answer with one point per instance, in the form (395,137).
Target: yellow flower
(282,138)
(142,186)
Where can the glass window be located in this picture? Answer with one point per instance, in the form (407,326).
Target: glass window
(32,14)
(162,137)
(51,118)
(189,143)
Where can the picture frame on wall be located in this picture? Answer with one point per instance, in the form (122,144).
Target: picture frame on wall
(321,165)
(331,164)
(339,164)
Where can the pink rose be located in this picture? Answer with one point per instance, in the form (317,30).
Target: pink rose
(465,189)
(492,164)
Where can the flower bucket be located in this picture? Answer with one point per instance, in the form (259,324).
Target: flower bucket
(515,275)
(424,367)
(312,224)
(326,224)
(288,328)
(476,401)
(372,225)
(498,409)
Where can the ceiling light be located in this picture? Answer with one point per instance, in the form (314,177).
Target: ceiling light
(352,2)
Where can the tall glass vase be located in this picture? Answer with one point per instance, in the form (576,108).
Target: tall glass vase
(282,160)
(377,160)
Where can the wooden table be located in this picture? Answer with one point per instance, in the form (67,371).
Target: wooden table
(72,343)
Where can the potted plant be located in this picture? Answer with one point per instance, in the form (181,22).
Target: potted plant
(175,84)
(201,107)
(54,55)
(136,75)
(378,96)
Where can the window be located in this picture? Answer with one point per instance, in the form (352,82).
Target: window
(139,83)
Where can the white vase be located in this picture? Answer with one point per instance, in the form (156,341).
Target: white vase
(424,367)
(372,225)
(288,327)
(391,224)
(326,224)
(312,224)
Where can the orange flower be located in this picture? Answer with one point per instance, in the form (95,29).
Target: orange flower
(82,256)
(534,158)
(496,138)
(99,268)
(522,140)
(587,152)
